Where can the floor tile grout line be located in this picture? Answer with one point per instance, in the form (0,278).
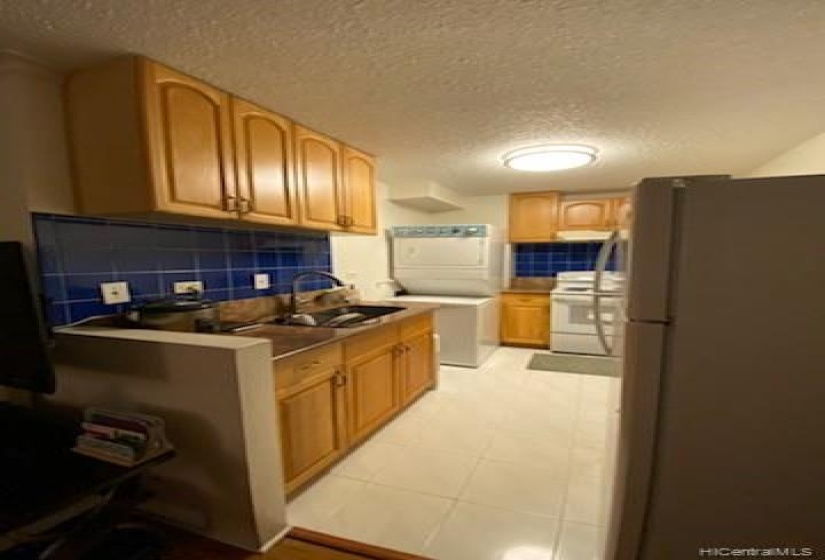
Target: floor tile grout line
(437,531)
(566,494)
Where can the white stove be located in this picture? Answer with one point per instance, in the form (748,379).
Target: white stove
(573,315)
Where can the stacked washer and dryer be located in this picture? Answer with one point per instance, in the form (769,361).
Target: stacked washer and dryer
(458,267)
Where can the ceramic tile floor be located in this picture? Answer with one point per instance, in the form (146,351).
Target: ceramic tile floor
(499,463)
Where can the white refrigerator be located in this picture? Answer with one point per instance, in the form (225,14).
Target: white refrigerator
(721,422)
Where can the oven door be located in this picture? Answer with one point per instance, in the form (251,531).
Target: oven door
(574,314)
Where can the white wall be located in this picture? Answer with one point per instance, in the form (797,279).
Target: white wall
(364,260)
(34,163)
(215,394)
(807,158)
(34,171)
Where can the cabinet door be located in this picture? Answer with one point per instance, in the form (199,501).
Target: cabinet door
(418,372)
(263,159)
(533,216)
(359,191)
(372,391)
(318,172)
(313,428)
(584,214)
(526,320)
(190,143)
(620,212)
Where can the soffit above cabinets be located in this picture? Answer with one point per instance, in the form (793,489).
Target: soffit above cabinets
(426,197)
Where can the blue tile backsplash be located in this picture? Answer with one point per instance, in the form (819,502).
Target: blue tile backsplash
(548,259)
(76,254)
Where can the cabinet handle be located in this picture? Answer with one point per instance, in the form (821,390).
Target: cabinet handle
(342,220)
(230,203)
(247,205)
(340,379)
(398,350)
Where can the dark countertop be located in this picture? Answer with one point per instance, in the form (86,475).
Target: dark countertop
(288,340)
(545,291)
(530,285)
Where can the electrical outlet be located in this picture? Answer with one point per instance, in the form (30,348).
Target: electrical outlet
(262,281)
(188,287)
(115,292)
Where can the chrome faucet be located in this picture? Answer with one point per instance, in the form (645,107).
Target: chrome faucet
(293,299)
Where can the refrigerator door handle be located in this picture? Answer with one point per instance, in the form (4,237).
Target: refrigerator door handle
(601,266)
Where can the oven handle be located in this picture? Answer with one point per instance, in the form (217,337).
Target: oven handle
(601,266)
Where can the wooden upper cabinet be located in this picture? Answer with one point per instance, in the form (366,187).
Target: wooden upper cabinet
(585,214)
(145,138)
(620,213)
(190,143)
(318,170)
(264,163)
(358,197)
(533,216)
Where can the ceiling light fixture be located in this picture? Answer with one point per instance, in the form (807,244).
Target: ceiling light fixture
(551,157)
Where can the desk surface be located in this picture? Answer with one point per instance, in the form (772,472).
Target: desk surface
(40,475)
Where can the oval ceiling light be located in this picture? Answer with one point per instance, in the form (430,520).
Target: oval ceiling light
(551,157)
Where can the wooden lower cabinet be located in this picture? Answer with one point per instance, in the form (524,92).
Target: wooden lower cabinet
(331,398)
(417,366)
(372,391)
(525,319)
(313,427)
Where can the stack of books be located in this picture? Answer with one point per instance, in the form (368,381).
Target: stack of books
(123,438)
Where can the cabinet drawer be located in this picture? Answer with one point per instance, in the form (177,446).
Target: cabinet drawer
(525,299)
(294,370)
(416,325)
(370,341)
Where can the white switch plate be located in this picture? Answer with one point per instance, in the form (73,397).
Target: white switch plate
(188,287)
(262,281)
(115,292)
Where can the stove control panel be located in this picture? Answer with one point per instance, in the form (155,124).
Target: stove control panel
(458,230)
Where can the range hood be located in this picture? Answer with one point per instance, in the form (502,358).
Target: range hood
(426,197)
(582,235)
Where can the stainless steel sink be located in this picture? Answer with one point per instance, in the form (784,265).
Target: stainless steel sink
(340,317)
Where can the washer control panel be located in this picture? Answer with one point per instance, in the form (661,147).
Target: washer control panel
(457,230)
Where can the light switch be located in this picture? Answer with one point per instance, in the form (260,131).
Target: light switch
(115,292)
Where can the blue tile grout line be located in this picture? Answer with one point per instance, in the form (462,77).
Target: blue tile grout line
(77,253)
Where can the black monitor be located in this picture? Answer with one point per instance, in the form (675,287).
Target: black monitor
(25,357)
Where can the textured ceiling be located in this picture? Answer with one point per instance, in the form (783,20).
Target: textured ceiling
(440,89)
